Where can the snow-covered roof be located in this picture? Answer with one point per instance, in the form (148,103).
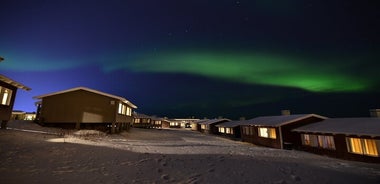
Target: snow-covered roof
(231,124)
(14,83)
(348,126)
(139,115)
(89,90)
(212,121)
(277,121)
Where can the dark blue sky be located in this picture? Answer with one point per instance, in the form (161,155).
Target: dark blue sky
(199,58)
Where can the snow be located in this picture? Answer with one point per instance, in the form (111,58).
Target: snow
(161,156)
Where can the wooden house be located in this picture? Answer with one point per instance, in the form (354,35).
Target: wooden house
(142,121)
(230,129)
(159,123)
(86,108)
(8,90)
(209,126)
(275,131)
(347,138)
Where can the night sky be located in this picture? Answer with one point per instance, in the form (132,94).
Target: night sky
(201,58)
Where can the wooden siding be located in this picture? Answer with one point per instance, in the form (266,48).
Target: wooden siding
(340,151)
(254,137)
(71,107)
(236,133)
(290,138)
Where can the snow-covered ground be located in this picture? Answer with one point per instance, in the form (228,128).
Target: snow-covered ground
(161,156)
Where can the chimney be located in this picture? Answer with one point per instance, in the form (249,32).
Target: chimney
(375,113)
(242,118)
(285,112)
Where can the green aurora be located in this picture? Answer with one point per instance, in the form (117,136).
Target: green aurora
(264,69)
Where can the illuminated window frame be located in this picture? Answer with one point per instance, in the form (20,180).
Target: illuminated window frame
(267,132)
(369,147)
(5,96)
(319,141)
(222,130)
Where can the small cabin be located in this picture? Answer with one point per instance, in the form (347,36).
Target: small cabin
(8,90)
(142,121)
(209,126)
(230,129)
(275,131)
(347,138)
(85,108)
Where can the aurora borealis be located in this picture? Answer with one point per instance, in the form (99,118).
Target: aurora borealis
(199,58)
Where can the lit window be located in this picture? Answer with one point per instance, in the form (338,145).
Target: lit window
(305,139)
(120,111)
(221,129)
(129,111)
(5,96)
(321,141)
(363,146)
(228,130)
(267,133)
(137,120)
(203,127)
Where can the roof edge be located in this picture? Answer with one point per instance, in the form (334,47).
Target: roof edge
(89,90)
(14,83)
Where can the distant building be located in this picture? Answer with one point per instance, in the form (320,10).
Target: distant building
(142,120)
(87,108)
(275,131)
(347,138)
(230,129)
(209,126)
(21,115)
(8,90)
(159,123)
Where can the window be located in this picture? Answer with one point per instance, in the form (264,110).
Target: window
(124,109)
(320,141)
(228,130)
(363,146)
(173,123)
(120,111)
(5,96)
(245,130)
(221,130)
(203,127)
(267,133)
(137,120)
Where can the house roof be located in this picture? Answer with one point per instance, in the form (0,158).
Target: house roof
(276,121)
(348,126)
(139,115)
(212,121)
(231,124)
(14,83)
(89,90)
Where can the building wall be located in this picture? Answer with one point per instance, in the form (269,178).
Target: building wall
(341,150)
(142,123)
(292,138)
(235,135)
(257,140)
(6,110)
(70,107)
